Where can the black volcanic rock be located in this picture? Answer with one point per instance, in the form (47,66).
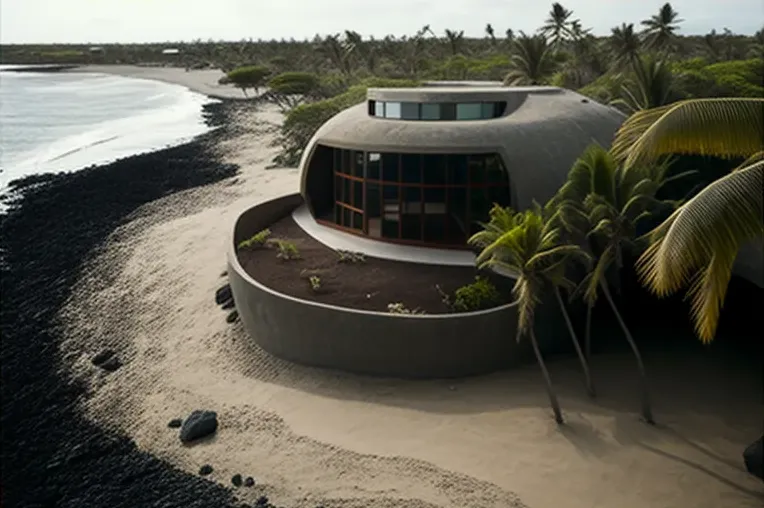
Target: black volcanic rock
(111,364)
(223,294)
(249,482)
(232,316)
(199,424)
(228,305)
(175,423)
(205,470)
(236,480)
(101,357)
(50,228)
(754,458)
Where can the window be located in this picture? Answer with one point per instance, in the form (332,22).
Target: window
(448,111)
(392,110)
(390,167)
(372,166)
(430,111)
(434,169)
(358,164)
(469,111)
(410,110)
(415,198)
(411,170)
(487,110)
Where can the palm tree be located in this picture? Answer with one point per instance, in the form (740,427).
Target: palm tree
(660,29)
(703,236)
(650,86)
(529,249)
(757,48)
(624,45)
(455,40)
(532,61)
(337,50)
(490,33)
(711,45)
(605,203)
(557,26)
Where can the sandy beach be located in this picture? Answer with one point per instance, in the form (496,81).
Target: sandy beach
(312,437)
(201,81)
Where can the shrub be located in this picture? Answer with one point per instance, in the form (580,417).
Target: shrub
(251,76)
(399,308)
(256,240)
(285,250)
(479,295)
(303,121)
(734,78)
(294,83)
(315,283)
(290,89)
(346,256)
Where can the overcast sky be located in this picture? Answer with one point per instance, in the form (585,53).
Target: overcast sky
(101,21)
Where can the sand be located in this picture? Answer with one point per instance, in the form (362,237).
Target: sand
(200,81)
(313,436)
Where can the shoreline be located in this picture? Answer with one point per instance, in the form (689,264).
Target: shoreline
(51,454)
(204,82)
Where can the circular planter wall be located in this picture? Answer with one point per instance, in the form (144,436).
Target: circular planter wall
(378,343)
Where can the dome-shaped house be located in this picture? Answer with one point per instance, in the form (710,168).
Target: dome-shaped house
(421,166)
(405,177)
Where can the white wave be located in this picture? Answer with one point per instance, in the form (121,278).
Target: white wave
(164,115)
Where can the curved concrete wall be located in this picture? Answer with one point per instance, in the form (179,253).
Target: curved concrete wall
(430,346)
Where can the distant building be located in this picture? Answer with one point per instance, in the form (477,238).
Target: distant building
(171,51)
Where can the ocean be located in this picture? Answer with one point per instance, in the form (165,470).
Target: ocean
(51,122)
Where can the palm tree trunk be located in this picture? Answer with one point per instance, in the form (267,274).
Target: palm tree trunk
(647,411)
(549,390)
(588,331)
(584,366)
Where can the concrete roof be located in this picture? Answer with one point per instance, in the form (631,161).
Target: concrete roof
(543,132)
(458,93)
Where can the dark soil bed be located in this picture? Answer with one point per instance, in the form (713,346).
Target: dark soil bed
(369,285)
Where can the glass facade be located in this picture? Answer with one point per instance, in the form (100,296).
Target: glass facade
(437,111)
(434,199)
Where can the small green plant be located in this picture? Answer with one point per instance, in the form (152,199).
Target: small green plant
(315,283)
(285,250)
(257,240)
(481,294)
(399,308)
(347,256)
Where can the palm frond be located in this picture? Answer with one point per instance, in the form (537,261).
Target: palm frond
(592,281)
(706,234)
(721,127)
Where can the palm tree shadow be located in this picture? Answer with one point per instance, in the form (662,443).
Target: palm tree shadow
(705,470)
(583,435)
(695,446)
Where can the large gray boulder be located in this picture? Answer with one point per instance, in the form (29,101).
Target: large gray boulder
(754,458)
(199,424)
